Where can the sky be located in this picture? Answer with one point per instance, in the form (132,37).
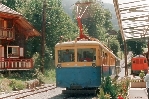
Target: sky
(108,1)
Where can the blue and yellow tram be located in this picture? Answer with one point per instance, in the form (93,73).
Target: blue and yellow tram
(81,63)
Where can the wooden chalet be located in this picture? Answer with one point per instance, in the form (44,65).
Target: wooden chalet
(14,31)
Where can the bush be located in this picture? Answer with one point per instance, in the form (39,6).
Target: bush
(4,85)
(109,87)
(102,95)
(17,85)
(142,74)
(123,86)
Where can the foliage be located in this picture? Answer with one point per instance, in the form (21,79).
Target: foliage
(17,84)
(123,86)
(136,47)
(57,23)
(115,46)
(47,77)
(141,74)
(13,4)
(115,88)
(39,76)
(109,87)
(102,95)
(137,80)
(96,22)
(4,85)
(1,75)
(96,19)
(50,76)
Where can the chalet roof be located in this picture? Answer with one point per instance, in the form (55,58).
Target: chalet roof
(26,28)
(6,9)
(133,18)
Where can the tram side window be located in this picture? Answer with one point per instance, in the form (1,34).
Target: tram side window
(133,61)
(87,55)
(66,55)
(144,61)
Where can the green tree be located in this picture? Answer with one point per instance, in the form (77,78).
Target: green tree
(114,45)
(57,23)
(11,3)
(109,87)
(96,21)
(94,17)
(136,46)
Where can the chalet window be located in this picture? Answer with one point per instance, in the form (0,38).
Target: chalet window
(13,52)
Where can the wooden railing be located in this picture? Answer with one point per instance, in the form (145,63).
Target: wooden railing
(16,64)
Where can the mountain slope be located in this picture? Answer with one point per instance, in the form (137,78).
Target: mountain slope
(68,7)
(111,8)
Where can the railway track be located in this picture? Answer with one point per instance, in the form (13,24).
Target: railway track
(28,93)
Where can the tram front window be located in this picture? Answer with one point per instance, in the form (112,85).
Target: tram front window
(66,55)
(87,55)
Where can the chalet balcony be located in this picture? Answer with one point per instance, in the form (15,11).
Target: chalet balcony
(16,64)
(7,33)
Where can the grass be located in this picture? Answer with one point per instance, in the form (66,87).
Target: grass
(16,81)
(50,76)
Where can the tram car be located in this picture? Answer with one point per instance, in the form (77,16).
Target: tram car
(139,63)
(82,63)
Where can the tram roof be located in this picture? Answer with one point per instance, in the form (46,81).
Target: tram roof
(133,18)
(83,43)
(72,43)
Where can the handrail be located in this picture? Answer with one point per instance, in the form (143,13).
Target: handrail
(16,63)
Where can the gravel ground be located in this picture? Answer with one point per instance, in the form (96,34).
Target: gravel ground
(53,94)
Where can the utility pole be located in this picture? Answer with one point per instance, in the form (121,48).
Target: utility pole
(126,68)
(43,36)
(148,52)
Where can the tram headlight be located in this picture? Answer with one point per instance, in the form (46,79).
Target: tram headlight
(59,65)
(94,64)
